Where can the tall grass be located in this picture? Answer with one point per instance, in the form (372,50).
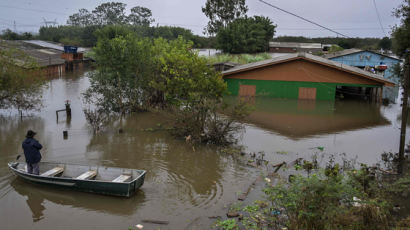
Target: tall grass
(238,58)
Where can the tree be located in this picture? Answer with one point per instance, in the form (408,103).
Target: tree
(9,35)
(347,44)
(110,13)
(401,34)
(140,16)
(385,43)
(246,35)
(222,12)
(401,40)
(83,24)
(82,18)
(123,64)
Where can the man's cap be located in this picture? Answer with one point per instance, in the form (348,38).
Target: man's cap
(30,134)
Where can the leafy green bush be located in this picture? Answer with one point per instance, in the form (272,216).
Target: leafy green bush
(327,199)
(227,224)
(313,202)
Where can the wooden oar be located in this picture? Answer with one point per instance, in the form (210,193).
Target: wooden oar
(15,164)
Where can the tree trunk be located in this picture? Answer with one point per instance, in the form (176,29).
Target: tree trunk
(404,112)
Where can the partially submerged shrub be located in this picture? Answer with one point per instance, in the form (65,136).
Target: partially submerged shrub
(210,121)
(96,118)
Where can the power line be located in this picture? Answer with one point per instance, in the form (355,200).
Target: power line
(176,24)
(364,28)
(378,16)
(269,4)
(35,10)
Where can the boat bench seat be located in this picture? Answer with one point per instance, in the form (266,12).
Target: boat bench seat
(122,178)
(53,172)
(87,175)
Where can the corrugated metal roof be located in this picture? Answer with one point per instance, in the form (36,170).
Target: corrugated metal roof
(43,57)
(296,45)
(352,51)
(306,56)
(51,45)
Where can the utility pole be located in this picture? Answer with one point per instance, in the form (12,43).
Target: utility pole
(15,27)
(404,111)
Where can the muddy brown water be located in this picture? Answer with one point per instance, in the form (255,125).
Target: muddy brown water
(183,185)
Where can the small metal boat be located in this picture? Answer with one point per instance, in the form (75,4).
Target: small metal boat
(95,179)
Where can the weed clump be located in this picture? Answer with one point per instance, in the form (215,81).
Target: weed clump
(334,197)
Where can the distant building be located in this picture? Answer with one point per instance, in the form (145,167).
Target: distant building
(294,47)
(304,76)
(372,61)
(73,55)
(47,59)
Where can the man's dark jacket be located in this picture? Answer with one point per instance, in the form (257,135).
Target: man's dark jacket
(31,150)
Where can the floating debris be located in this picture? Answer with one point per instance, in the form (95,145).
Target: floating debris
(156,221)
(232,214)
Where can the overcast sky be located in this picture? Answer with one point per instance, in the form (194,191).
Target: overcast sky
(355,18)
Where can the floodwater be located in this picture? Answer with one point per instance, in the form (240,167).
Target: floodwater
(183,185)
(354,130)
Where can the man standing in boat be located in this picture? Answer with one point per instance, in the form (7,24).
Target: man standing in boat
(32,153)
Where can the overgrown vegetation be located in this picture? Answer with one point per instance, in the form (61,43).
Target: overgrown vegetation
(238,58)
(21,81)
(137,74)
(334,197)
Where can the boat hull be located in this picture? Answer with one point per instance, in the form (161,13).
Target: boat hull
(125,189)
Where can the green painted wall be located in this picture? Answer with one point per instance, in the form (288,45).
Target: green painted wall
(288,89)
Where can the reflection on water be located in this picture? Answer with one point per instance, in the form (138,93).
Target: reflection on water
(36,206)
(359,129)
(38,194)
(298,119)
(192,176)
